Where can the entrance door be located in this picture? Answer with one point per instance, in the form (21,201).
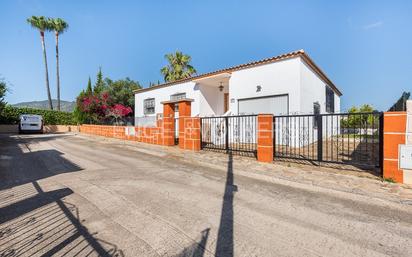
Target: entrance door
(226,102)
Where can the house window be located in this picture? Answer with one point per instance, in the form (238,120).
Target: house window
(330,100)
(149,106)
(175,97)
(316,112)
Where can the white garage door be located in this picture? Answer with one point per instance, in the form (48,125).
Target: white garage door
(276,105)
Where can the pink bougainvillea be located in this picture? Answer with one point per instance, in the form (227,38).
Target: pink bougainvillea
(119,110)
(102,107)
(105,97)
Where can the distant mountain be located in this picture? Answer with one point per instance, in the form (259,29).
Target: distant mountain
(65,106)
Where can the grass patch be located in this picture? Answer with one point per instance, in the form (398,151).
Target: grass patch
(390,180)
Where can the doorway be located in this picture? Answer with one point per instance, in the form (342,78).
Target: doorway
(226,102)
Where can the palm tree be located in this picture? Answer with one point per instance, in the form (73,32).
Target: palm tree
(59,26)
(40,23)
(178,67)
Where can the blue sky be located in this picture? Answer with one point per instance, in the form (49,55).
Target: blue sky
(363,46)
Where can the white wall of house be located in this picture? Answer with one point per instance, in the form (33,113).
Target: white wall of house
(313,89)
(274,79)
(163,94)
(211,100)
(337,104)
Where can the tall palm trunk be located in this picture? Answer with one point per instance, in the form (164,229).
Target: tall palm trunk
(57,71)
(47,73)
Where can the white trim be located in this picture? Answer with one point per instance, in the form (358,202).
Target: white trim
(388,159)
(395,133)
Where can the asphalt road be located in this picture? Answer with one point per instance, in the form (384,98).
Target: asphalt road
(71,195)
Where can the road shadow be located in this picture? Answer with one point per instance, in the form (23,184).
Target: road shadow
(38,223)
(44,224)
(197,249)
(224,244)
(19,164)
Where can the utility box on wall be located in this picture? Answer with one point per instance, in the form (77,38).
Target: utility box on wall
(405,157)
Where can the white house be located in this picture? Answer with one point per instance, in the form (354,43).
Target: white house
(286,84)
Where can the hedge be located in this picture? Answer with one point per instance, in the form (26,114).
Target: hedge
(10,115)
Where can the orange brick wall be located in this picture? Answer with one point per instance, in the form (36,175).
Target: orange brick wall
(168,124)
(162,134)
(185,111)
(191,134)
(394,134)
(145,135)
(105,131)
(265,138)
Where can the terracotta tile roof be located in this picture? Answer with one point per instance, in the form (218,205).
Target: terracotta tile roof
(294,54)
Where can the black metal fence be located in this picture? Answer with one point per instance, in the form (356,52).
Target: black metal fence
(348,138)
(176,131)
(237,134)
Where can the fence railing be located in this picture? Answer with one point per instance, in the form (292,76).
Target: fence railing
(230,133)
(176,131)
(348,138)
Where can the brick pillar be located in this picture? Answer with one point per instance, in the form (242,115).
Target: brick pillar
(185,111)
(394,134)
(407,174)
(191,134)
(168,124)
(265,138)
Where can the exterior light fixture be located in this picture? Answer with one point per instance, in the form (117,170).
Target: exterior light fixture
(221,87)
(258,88)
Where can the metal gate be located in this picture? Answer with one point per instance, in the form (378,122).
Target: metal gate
(176,131)
(348,138)
(237,134)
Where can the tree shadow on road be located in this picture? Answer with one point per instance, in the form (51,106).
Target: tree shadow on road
(38,223)
(45,225)
(20,165)
(197,249)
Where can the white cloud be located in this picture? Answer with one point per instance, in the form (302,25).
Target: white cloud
(373,25)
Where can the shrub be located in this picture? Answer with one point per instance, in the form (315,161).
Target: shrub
(3,91)
(10,115)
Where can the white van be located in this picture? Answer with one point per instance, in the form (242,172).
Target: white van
(31,123)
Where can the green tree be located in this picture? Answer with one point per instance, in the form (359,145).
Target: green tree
(100,85)
(41,24)
(89,89)
(3,91)
(361,117)
(79,116)
(59,26)
(122,91)
(101,103)
(366,108)
(400,105)
(152,84)
(178,67)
